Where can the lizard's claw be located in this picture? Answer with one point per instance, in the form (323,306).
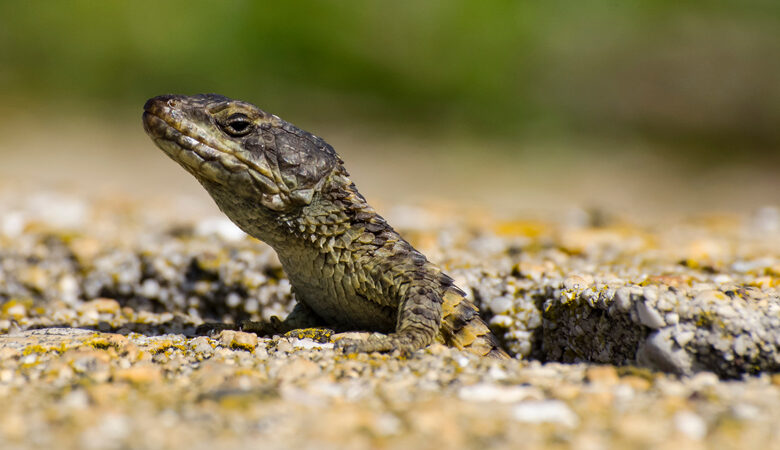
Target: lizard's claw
(259,328)
(213,328)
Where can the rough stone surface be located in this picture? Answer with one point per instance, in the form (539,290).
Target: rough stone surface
(624,335)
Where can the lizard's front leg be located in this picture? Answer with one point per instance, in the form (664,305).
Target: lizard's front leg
(419,319)
(301,317)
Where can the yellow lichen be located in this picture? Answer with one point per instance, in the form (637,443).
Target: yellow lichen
(525,228)
(11,309)
(321,335)
(241,346)
(98,343)
(40,349)
(168,347)
(635,371)
(35,348)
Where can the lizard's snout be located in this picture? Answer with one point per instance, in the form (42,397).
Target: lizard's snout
(156,110)
(156,105)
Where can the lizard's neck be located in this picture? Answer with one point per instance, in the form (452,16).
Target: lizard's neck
(338,212)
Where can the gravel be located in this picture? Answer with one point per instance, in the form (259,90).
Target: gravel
(623,335)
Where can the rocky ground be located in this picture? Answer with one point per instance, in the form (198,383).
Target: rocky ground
(624,334)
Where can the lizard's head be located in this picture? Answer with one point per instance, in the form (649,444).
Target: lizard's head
(236,147)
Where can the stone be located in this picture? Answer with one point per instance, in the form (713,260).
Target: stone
(489,392)
(660,353)
(244,341)
(690,424)
(606,375)
(202,345)
(139,374)
(545,411)
(157,385)
(298,368)
(575,282)
(101,305)
(649,316)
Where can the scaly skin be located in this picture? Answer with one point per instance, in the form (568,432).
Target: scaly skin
(348,268)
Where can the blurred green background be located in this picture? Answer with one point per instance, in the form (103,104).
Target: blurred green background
(695,83)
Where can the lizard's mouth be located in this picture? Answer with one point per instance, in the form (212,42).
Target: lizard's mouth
(198,152)
(198,158)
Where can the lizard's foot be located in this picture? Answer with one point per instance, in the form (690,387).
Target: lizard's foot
(260,328)
(377,342)
(213,328)
(274,326)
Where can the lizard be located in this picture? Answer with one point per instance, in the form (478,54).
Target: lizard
(348,268)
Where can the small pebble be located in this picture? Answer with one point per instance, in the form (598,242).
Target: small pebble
(545,411)
(606,375)
(690,424)
(697,298)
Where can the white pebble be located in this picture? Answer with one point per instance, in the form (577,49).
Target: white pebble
(90,316)
(150,288)
(684,337)
(114,427)
(500,305)
(387,425)
(623,299)
(221,227)
(704,379)
(745,411)
(12,224)
(77,399)
(690,424)
(649,316)
(497,373)
(233,300)
(251,305)
(545,411)
(501,321)
(69,289)
(6,376)
(489,392)
(59,210)
(17,311)
(308,344)
(766,219)
(575,282)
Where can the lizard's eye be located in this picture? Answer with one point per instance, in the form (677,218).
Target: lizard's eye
(237,125)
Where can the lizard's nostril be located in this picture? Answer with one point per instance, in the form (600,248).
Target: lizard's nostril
(160,101)
(150,104)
